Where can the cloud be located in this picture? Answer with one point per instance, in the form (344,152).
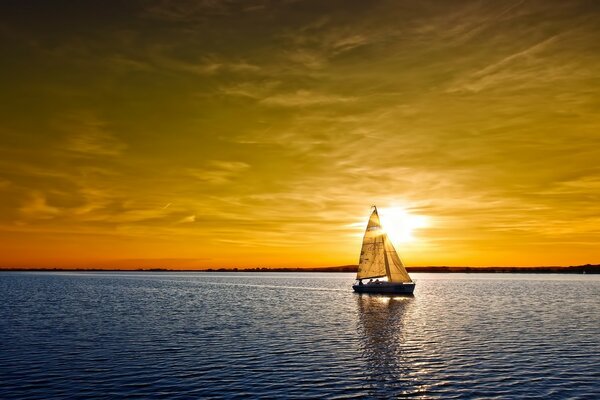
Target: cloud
(37,207)
(254,90)
(309,58)
(527,66)
(88,135)
(190,218)
(218,172)
(270,93)
(304,98)
(203,66)
(188,10)
(120,62)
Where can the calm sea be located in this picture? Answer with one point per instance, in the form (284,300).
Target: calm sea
(297,335)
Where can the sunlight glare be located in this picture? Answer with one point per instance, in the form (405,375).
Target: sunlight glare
(400,225)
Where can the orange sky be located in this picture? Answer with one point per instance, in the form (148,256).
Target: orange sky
(244,134)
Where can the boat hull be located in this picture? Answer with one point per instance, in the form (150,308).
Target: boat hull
(385,288)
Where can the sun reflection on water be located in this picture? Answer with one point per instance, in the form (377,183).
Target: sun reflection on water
(380,328)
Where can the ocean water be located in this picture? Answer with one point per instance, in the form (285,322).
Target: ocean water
(297,335)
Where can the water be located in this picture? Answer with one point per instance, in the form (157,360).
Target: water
(235,335)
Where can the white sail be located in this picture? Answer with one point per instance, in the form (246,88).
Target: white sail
(378,258)
(372,260)
(397,272)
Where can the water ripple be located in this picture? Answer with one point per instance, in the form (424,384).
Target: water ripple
(265,335)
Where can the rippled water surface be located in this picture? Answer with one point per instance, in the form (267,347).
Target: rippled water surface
(203,335)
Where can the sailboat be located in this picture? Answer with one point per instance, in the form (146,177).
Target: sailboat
(380,264)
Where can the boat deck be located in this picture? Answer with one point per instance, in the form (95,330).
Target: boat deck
(385,287)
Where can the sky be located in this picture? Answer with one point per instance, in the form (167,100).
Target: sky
(197,134)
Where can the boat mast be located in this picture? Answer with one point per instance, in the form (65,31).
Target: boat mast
(385,259)
(388,274)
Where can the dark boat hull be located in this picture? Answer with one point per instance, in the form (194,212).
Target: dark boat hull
(385,288)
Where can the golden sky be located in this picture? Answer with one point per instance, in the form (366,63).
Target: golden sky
(259,133)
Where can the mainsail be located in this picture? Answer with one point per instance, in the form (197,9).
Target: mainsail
(378,258)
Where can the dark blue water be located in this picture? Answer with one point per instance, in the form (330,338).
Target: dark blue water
(230,335)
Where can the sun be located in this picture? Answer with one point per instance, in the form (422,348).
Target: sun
(400,224)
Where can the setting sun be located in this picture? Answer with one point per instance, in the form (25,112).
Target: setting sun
(400,225)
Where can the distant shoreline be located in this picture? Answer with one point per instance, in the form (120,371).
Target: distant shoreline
(576,269)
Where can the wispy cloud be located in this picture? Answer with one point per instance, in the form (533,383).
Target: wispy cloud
(188,219)
(308,58)
(528,66)
(218,172)
(204,66)
(250,89)
(37,207)
(186,11)
(88,135)
(302,98)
